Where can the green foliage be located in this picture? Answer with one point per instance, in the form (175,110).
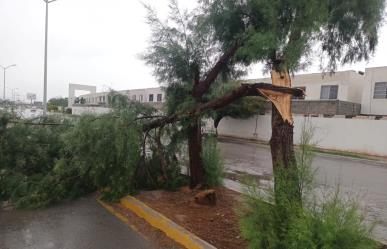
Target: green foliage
(331,223)
(271,220)
(181,48)
(242,108)
(213,162)
(28,155)
(46,160)
(343,31)
(54,104)
(107,149)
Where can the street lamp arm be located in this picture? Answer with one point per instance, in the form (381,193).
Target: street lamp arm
(14,65)
(5,68)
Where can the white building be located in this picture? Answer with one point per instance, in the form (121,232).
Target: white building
(343,90)
(147,95)
(344,85)
(374,99)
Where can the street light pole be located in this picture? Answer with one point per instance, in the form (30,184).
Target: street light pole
(45,59)
(5,69)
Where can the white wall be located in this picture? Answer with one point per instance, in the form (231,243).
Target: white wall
(79,110)
(371,106)
(354,135)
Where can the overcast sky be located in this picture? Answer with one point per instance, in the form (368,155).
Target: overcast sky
(94,42)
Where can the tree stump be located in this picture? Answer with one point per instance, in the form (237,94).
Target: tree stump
(206,197)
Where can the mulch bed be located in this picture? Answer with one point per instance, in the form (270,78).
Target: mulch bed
(218,224)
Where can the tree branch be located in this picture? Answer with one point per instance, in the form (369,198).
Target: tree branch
(242,91)
(205,84)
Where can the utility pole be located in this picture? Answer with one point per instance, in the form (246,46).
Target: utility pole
(5,69)
(45,59)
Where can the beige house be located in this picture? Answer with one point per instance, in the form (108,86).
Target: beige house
(374,99)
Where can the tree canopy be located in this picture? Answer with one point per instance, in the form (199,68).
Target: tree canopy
(340,31)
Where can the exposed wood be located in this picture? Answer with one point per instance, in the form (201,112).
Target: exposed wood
(282,101)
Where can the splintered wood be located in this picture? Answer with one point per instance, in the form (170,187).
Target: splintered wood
(282,101)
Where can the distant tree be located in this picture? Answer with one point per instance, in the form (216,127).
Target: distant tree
(54,104)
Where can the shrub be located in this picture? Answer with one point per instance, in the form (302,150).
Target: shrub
(332,223)
(271,221)
(213,162)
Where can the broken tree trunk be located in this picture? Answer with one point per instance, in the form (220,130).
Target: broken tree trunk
(282,148)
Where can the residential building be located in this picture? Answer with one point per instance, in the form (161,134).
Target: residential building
(374,99)
(343,86)
(347,93)
(148,95)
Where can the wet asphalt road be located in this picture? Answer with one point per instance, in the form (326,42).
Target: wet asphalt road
(363,179)
(80,224)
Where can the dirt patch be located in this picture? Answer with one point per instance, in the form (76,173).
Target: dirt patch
(155,236)
(217,224)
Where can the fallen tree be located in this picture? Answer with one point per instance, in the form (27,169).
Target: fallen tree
(243,91)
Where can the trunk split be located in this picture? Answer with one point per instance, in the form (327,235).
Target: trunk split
(286,180)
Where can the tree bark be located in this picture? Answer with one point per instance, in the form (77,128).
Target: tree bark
(286,180)
(284,160)
(204,85)
(196,166)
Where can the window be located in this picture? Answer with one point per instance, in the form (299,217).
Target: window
(329,92)
(141,98)
(134,97)
(380,91)
(150,97)
(159,97)
(304,89)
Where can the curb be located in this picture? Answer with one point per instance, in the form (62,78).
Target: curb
(111,210)
(170,228)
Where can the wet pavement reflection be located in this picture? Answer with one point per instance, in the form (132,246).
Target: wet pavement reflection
(78,224)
